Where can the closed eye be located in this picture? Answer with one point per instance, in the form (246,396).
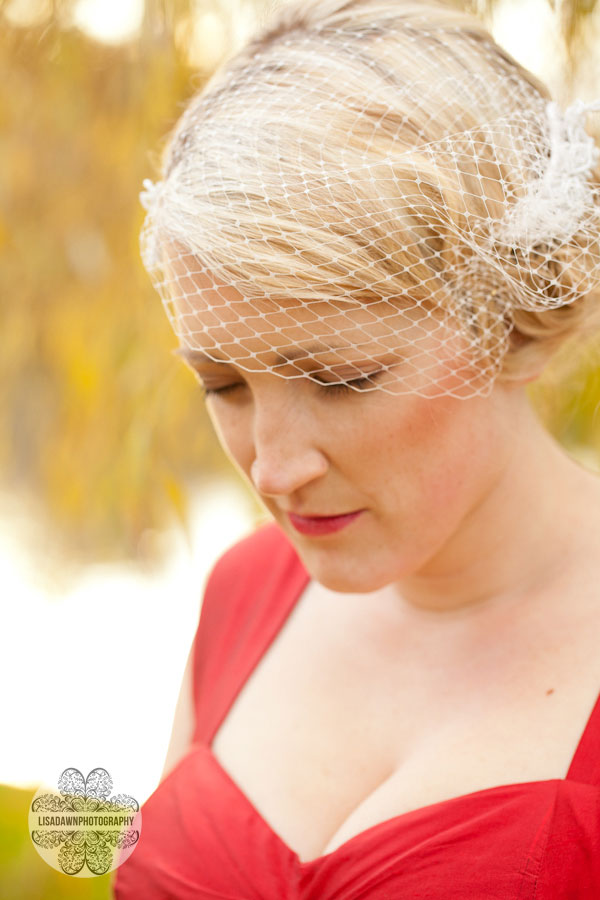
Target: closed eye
(222,390)
(332,387)
(329,388)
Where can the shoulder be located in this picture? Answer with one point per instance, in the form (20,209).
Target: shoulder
(244,589)
(267,537)
(263,553)
(248,577)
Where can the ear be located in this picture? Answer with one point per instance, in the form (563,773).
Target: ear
(526,377)
(529,358)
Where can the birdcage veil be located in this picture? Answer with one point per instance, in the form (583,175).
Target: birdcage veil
(366,195)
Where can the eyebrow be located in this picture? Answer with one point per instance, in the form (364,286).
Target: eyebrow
(196,356)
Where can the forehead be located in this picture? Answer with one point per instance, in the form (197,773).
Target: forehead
(211,317)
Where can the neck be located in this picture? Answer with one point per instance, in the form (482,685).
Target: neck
(517,540)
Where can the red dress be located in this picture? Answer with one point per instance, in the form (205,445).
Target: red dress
(202,838)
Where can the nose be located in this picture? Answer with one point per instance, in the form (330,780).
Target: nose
(287,453)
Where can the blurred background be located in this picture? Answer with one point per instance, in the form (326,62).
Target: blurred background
(115,499)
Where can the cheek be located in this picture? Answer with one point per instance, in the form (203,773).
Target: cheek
(434,453)
(234,431)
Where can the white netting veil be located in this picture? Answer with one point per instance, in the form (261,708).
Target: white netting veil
(366,195)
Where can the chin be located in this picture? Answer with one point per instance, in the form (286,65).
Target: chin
(338,576)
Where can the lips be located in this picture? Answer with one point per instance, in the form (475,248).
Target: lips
(317,525)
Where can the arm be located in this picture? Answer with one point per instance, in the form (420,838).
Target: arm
(183,721)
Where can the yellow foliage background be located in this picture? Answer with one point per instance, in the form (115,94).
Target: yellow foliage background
(99,422)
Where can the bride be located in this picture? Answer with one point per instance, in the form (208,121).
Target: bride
(373,230)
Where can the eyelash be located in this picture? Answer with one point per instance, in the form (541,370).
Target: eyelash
(329,388)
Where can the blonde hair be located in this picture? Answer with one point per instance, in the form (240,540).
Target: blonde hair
(285,242)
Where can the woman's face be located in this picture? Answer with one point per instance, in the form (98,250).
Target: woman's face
(414,466)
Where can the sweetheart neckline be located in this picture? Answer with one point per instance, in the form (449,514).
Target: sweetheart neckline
(206,745)
(385,823)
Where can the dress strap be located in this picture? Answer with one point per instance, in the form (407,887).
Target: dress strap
(249,593)
(585,765)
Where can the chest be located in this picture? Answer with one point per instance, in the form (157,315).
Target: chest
(348,720)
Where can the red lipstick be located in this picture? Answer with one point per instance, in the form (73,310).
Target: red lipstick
(316,525)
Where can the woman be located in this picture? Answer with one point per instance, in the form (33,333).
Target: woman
(373,230)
